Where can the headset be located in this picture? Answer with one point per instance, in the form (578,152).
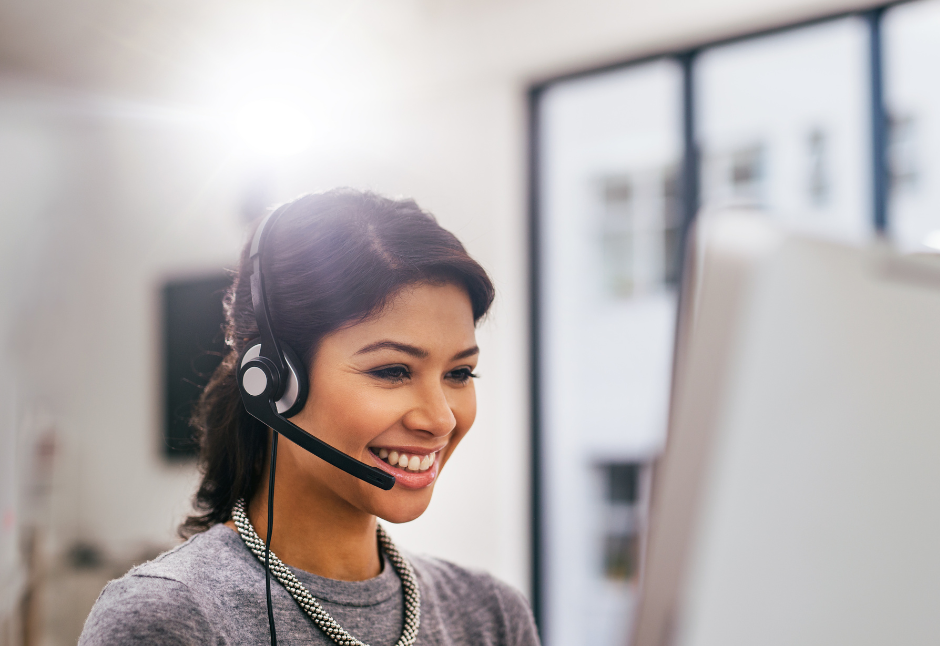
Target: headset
(273,386)
(273,382)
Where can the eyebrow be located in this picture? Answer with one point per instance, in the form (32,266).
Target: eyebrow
(411,350)
(418,353)
(469,352)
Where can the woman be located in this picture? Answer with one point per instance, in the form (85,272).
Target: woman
(380,304)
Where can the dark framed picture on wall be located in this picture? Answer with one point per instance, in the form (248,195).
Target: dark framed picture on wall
(193,343)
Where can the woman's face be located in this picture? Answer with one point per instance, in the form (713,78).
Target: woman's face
(397,387)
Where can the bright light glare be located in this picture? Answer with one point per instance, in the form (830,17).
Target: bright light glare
(274,128)
(933,240)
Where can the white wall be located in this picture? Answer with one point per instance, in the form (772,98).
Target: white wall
(423,98)
(106,211)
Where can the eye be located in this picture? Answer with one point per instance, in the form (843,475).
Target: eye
(461,375)
(391,374)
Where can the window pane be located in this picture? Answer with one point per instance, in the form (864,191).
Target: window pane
(611,147)
(912,95)
(783,123)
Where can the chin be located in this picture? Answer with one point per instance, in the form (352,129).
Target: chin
(402,511)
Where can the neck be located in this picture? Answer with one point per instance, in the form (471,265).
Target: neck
(314,530)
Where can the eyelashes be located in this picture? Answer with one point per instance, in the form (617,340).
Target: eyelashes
(400,374)
(391,374)
(461,375)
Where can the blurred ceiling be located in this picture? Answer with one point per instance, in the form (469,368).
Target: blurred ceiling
(177,48)
(145,46)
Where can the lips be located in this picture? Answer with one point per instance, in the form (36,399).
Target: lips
(413,468)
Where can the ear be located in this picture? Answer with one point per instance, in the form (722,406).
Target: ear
(295,394)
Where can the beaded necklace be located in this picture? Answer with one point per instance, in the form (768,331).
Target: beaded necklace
(312,607)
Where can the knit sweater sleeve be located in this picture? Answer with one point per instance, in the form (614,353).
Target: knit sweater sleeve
(140,609)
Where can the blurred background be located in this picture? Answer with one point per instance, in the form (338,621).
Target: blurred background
(567,144)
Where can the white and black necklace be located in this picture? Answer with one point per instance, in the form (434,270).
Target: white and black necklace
(312,607)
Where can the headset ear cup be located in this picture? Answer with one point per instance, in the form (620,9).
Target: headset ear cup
(298,371)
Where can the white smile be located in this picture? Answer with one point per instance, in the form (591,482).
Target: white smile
(416,463)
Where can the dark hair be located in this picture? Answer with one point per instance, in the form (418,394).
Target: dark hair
(334,258)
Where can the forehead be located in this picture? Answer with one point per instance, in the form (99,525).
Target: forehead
(424,315)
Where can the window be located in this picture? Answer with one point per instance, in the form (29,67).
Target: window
(639,231)
(610,231)
(902,154)
(819,183)
(784,125)
(617,235)
(911,54)
(620,520)
(787,122)
(735,177)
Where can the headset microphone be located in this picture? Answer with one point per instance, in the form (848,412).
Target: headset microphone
(273,382)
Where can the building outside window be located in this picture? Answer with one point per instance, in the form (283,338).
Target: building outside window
(784,126)
(610,227)
(620,520)
(911,54)
(639,239)
(820,176)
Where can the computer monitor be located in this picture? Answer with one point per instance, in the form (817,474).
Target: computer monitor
(798,499)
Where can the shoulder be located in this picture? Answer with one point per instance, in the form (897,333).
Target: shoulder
(144,610)
(204,555)
(450,579)
(477,595)
(159,601)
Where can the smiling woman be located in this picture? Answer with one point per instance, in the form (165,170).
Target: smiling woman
(399,382)
(380,304)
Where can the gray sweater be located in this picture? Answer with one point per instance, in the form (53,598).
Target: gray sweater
(210,591)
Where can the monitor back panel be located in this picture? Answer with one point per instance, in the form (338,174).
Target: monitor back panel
(799,498)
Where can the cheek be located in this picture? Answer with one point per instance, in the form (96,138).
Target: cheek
(352,415)
(464,407)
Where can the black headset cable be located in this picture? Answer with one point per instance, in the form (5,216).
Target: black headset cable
(267,542)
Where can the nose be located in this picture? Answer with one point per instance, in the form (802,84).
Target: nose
(431,412)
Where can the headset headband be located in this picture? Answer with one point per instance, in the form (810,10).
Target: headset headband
(270,347)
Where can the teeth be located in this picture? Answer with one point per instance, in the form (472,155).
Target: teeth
(405,461)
